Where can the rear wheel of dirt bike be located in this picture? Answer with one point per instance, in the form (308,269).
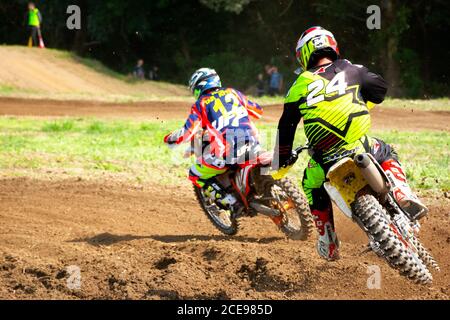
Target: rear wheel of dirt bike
(379,229)
(222,219)
(296,222)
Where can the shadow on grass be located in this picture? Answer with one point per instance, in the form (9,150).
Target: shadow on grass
(107,239)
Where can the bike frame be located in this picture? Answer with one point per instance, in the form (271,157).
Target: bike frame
(240,179)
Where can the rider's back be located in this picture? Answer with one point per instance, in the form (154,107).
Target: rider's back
(224,110)
(225,115)
(332,102)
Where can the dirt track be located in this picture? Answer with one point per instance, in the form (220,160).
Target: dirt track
(382,118)
(59,72)
(155,243)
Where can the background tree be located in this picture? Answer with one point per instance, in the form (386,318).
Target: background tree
(238,37)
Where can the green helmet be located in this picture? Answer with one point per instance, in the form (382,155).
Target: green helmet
(313,41)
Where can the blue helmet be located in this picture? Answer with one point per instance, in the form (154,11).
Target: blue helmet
(204,79)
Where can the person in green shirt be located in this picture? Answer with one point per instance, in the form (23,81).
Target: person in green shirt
(34,20)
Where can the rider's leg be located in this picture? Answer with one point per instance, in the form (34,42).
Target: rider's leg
(387,157)
(203,176)
(322,211)
(406,198)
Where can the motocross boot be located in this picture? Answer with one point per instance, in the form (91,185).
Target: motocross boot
(405,197)
(225,200)
(327,243)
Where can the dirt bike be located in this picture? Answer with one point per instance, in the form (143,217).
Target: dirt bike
(280,200)
(363,192)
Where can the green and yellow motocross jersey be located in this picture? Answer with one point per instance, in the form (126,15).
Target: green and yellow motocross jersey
(333,101)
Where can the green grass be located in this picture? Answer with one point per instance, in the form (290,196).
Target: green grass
(11,90)
(134,149)
(98,66)
(425,156)
(440,104)
(7,89)
(95,65)
(58,126)
(88,62)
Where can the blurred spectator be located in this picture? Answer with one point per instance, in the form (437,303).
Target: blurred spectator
(33,19)
(153,74)
(268,69)
(260,85)
(138,71)
(275,82)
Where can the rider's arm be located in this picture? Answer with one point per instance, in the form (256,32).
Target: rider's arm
(373,87)
(254,109)
(190,128)
(286,132)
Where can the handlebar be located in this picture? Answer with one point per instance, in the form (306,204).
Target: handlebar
(295,153)
(300,149)
(284,170)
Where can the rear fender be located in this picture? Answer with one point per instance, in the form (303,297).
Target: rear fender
(338,199)
(345,182)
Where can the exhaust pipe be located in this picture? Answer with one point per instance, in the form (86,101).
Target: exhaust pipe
(370,173)
(265,210)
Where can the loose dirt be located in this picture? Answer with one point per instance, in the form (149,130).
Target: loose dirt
(153,242)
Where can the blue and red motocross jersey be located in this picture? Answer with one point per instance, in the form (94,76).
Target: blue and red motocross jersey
(222,113)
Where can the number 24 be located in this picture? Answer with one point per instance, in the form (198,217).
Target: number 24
(337,84)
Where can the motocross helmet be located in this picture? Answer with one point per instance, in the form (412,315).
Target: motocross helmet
(313,43)
(204,79)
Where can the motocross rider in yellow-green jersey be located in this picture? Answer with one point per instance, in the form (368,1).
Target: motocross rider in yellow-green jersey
(334,96)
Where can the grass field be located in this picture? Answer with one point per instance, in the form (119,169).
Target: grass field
(441,104)
(133,149)
(9,90)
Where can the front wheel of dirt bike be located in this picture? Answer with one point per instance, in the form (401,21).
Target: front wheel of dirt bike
(296,222)
(391,246)
(222,219)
